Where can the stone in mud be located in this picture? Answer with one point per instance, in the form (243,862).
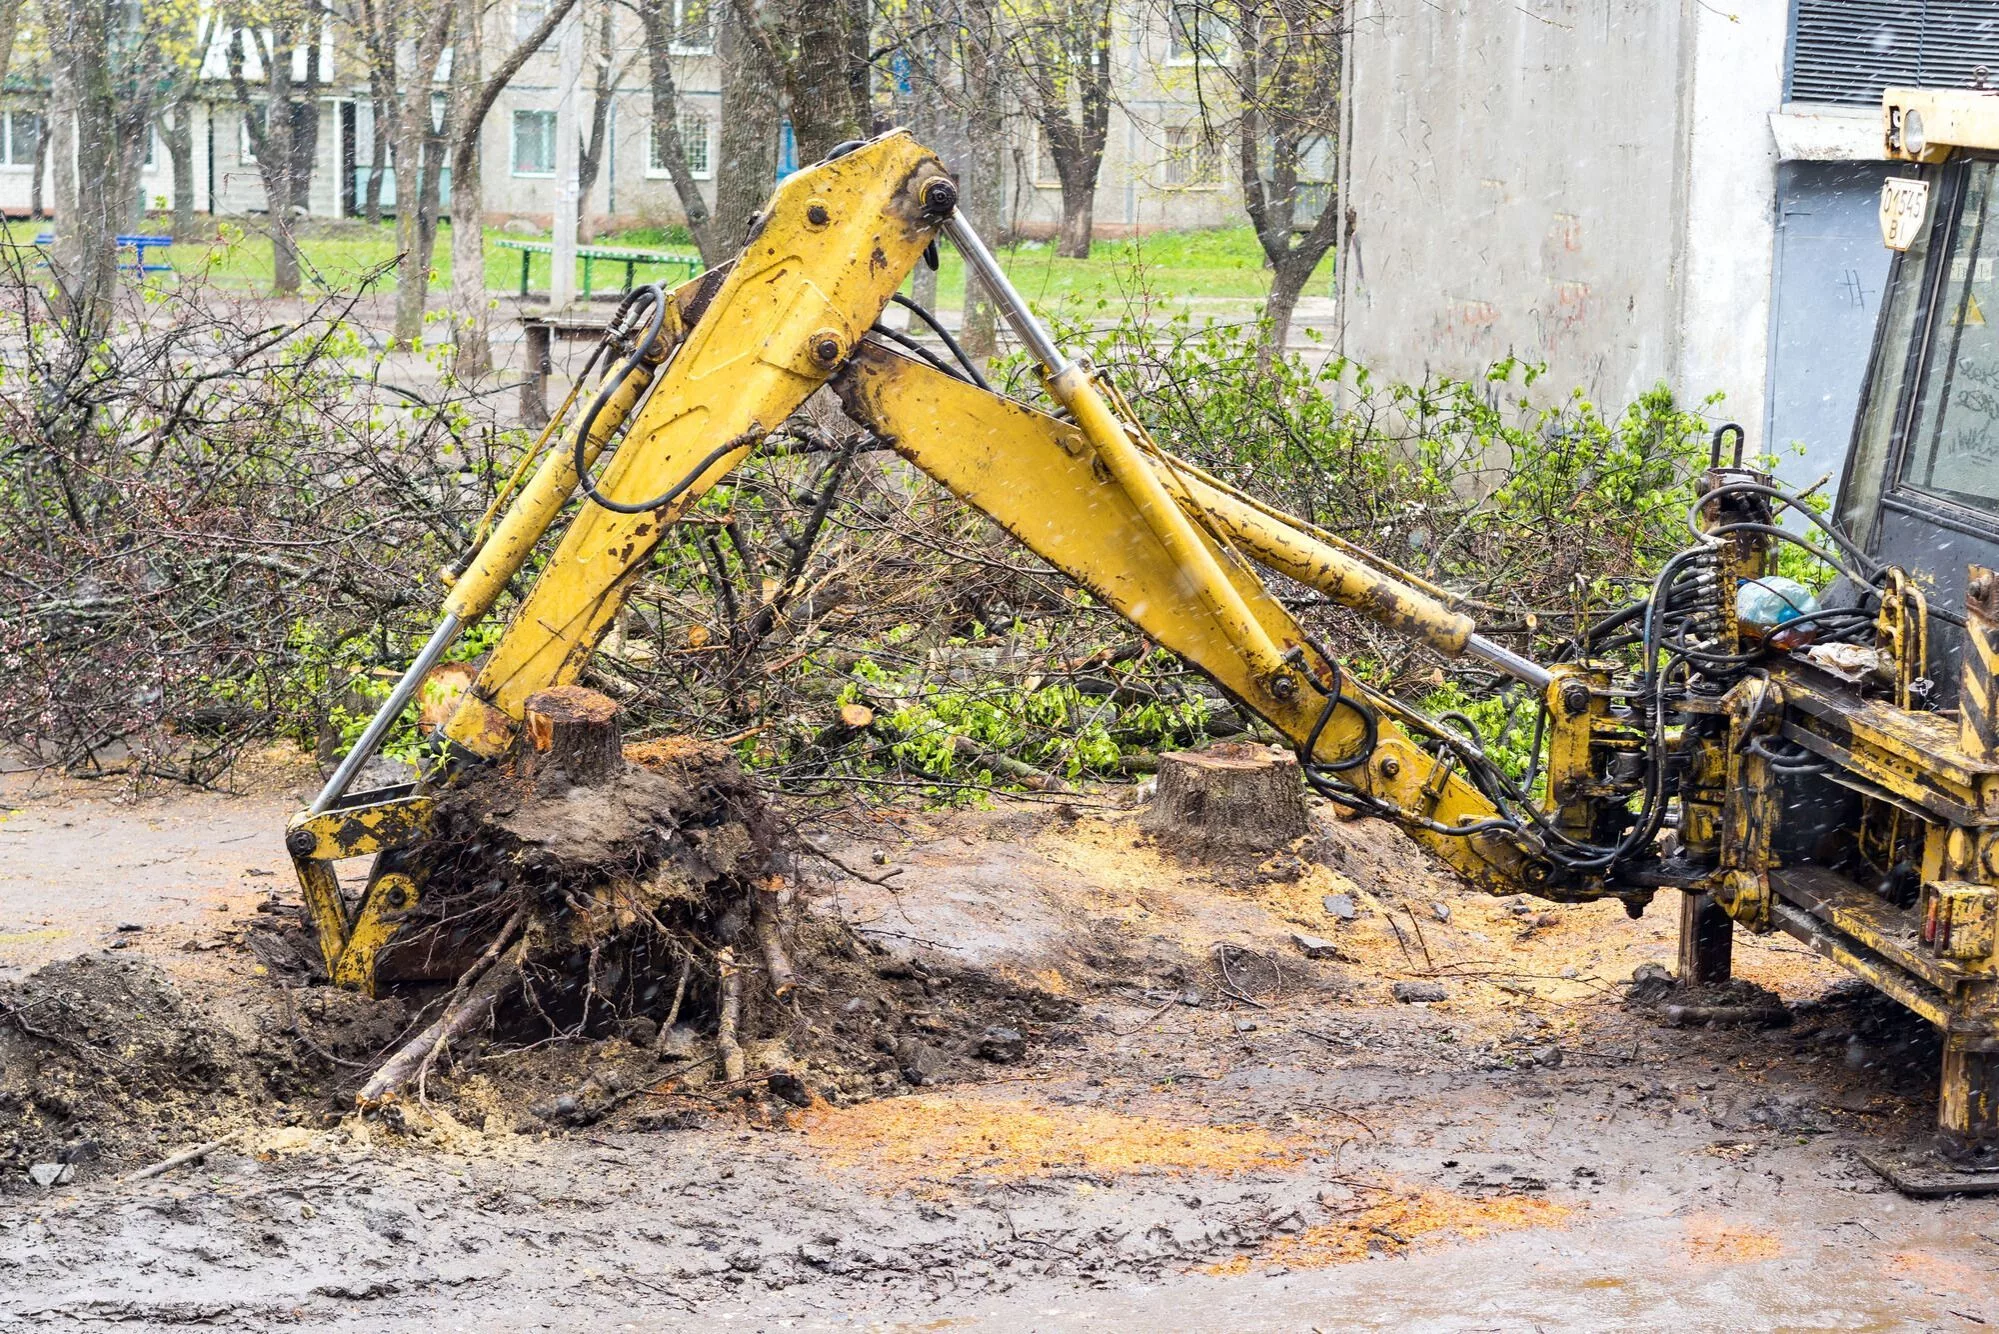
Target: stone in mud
(1416,993)
(1315,947)
(919,1062)
(788,1086)
(1001,1045)
(1340,906)
(1650,983)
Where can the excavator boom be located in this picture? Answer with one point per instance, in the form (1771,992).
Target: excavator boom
(1699,768)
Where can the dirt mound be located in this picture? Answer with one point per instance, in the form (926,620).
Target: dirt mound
(101,1057)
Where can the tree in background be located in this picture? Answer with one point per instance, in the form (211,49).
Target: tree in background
(1061,55)
(283,37)
(607,76)
(752,112)
(106,61)
(1285,78)
(817,53)
(472,99)
(663,43)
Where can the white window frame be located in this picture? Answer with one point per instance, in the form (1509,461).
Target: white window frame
(540,8)
(687,117)
(514,144)
(1203,16)
(679,48)
(1199,159)
(8,162)
(1041,173)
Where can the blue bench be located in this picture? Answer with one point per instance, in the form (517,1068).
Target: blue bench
(138,245)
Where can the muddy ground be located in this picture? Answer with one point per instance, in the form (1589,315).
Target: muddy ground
(1199,1127)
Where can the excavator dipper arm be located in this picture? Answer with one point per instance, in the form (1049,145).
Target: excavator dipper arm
(724,360)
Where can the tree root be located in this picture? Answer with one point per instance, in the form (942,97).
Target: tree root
(469,1007)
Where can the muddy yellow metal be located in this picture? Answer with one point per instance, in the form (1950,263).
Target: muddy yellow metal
(833,244)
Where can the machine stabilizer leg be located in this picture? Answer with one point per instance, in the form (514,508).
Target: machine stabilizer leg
(1707,941)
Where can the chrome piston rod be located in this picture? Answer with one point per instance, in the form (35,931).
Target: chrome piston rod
(385,717)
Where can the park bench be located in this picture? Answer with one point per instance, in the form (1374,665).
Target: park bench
(138,245)
(541,331)
(629,257)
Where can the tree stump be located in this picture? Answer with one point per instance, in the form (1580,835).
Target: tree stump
(574,730)
(1233,797)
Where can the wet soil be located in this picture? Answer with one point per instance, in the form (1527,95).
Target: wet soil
(1198,1127)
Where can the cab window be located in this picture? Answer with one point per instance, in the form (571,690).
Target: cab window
(1953,444)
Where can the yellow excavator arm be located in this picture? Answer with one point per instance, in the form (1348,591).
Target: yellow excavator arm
(716,365)
(1733,762)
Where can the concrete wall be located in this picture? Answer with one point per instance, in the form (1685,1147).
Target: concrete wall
(1588,183)
(1736,81)
(1513,174)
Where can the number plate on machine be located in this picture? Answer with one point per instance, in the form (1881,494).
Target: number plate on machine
(1905,202)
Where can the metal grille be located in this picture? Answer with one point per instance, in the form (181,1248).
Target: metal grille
(1849,50)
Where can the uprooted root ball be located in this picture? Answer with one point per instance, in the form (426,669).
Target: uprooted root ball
(652,898)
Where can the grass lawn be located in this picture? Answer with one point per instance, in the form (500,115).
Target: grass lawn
(1169,266)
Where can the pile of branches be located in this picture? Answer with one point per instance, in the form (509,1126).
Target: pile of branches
(221,529)
(216,524)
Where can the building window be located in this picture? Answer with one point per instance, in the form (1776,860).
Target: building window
(534,143)
(1195,32)
(693,28)
(246,148)
(1190,157)
(695,132)
(20,137)
(529,15)
(1041,167)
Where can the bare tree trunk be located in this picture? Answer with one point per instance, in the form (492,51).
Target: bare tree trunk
(750,120)
(413,131)
(430,206)
(982,190)
(37,200)
(1078,220)
(271,141)
(1063,60)
(378,162)
(603,85)
(10,26)
(177,133)
(84,258)
(667,145)
(1286,79)
(472,356)
(824,110)
(1287,283)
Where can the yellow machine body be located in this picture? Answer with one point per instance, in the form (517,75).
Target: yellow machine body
(1184,557)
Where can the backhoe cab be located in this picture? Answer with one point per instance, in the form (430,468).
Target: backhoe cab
(1818,760)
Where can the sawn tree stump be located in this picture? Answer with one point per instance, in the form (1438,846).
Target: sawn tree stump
(1233,797)
(575,730)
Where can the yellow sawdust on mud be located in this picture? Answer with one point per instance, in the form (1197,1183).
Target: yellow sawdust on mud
(1491,958)
(1715,1241)
(936,1137)
(1391,1223)
(667,752)
(1937,1272)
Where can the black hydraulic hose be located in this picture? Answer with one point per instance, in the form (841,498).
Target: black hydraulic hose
(611,386)
(937,327)
(916,349)
(1795,502)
